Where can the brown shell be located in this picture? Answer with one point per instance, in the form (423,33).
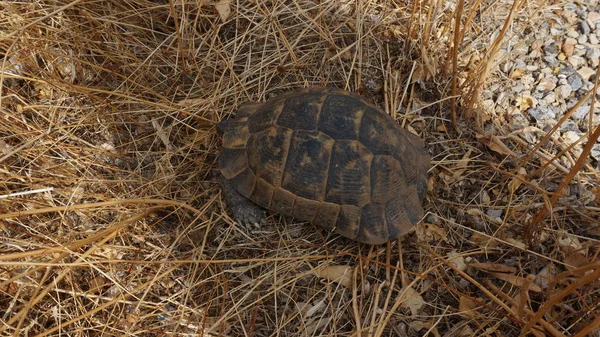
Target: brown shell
(329,157)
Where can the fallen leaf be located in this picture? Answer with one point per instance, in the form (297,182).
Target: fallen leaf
(574,258)
(467,307)
(319,306)
(96,284)
(474,211)
(517,281)
(428,232)
(420,325)
(482,240)
(517,73)
(413,301)
(525,102)
(569,240)
(223,9)
(335,273)
(457,259)
(514,184)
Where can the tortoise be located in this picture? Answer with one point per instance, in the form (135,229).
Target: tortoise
(326,156)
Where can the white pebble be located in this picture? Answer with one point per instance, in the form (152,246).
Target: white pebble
(564,91)
(586,73)
(570,137)
(575,60)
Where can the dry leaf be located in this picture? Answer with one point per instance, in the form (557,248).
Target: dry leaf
(467,307)
(574,258)
(96,284)
(514,184)
(517,73)
(339,274)
(569,240)
(474,211)
(420,325)
(517,281)
(493,267)
(482,240)
(525,102)
(223,9)
(413,301)
(458,260)
(314,324)
(310,310)
(428,232)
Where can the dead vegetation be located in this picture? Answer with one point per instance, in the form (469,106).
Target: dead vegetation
(112,222)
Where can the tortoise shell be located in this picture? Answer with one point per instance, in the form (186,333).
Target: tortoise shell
(329,157)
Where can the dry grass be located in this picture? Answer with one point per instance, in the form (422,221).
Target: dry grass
(107,118)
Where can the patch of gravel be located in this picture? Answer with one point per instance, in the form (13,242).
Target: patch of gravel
(549,70)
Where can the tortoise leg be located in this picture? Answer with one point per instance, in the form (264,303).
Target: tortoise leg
(244,211)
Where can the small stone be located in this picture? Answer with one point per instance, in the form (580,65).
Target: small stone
(568,46)
(518,88)
(582,39)
(593,52)
(520,49)
(585,28)
(592,19)
(506,67)
(520,64)
(528,80)
(579,50)
(545,85)
(550,59)
(581,112)
(494,213)
(575,61)
(569,125)
(561,57)
(558,31)
(550,98)
(593,38)
(570,137)
(575,82)
(596,151)
(593,56)
(564,91)
(551,48)
(541,114)
(586,73)
(565,71)
(532,67)
(573,34)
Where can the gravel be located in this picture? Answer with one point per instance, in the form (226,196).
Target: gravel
(550,68)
